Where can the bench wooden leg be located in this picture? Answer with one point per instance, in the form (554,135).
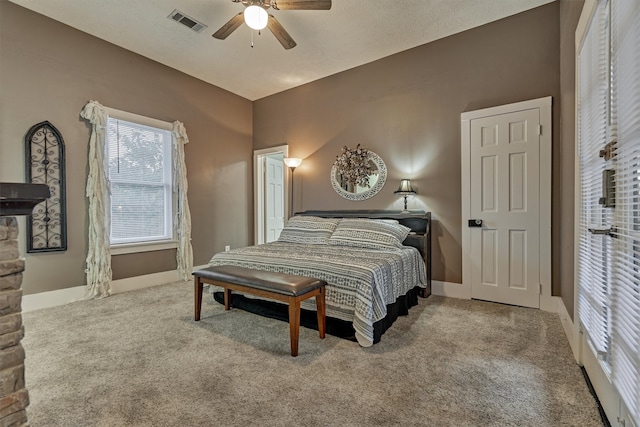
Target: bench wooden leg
(321,309)
(197,293)
(227,299)
(294,324)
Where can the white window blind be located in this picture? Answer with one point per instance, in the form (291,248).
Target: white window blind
(625,330)
(594,250)
(140,178)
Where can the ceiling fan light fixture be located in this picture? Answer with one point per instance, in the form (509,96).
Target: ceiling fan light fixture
(256,17)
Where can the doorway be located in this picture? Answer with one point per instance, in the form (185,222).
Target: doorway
(506,202)
(270,193)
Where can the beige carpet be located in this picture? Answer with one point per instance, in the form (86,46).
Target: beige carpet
(138,359)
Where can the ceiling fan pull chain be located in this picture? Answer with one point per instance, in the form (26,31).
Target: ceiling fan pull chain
(251,38)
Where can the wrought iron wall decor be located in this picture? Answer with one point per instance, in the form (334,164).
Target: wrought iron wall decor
(44,155)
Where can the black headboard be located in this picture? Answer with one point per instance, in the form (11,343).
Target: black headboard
(418,221)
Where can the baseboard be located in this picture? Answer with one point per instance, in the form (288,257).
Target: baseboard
(52,298)
(141,282)
(549,303)
(449,289)
(64,296)
(569,330)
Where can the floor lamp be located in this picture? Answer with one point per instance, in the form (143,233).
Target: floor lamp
(292,163)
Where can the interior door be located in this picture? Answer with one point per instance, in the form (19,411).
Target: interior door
(274,198)
(504,207)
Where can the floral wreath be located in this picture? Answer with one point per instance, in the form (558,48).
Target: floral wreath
(354,166)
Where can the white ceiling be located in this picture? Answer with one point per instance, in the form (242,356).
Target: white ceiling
(352,33)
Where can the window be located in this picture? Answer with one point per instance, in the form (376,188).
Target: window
(136,168)
(593,118)
(609,265)
(625,329)
(140,177)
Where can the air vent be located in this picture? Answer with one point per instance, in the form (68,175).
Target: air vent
(187,21)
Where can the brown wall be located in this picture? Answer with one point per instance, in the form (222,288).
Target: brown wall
(48,71)
(406,108)
(564,166)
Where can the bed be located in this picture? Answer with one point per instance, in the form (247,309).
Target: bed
(375,263)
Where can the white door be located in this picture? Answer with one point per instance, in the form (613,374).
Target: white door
(505,197)
(274,198)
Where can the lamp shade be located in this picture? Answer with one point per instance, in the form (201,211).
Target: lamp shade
(292,162)
(256,17)
(405,187)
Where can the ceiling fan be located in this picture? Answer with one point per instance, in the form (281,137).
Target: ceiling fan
(256,16)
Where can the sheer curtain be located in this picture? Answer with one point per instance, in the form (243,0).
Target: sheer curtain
(183,215)
(99,253)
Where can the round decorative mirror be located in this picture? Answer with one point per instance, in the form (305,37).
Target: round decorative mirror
(377,176)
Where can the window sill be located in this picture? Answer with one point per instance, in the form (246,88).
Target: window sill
(132,248)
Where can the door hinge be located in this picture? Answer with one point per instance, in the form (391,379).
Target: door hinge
(539,288)
(539,129)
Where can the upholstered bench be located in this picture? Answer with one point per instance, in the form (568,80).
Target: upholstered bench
(282,287)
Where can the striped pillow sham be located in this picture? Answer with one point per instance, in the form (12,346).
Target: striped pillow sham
(310,230)
(369,234)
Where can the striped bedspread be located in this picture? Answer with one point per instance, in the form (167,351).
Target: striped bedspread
(360,282)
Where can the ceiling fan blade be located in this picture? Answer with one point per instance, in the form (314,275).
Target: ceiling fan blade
(229,27)
(280,33)
(301,4)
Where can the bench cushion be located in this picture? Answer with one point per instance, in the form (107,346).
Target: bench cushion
(279,283)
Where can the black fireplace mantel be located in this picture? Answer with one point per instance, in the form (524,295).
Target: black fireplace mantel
(20,198)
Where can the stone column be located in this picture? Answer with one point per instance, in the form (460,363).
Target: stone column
(14,397)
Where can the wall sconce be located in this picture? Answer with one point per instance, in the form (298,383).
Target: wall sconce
(404,190)
(292,163)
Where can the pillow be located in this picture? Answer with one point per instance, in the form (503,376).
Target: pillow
(369,234)
(310,230)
